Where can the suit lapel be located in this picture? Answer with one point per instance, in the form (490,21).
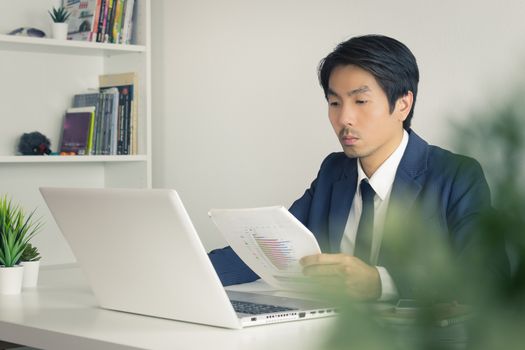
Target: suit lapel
(404,193)
(408,183)
(343,192)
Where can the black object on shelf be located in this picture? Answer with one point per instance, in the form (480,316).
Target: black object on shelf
(34,144)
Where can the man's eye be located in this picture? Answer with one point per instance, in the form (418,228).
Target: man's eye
(361,102)
(333,104)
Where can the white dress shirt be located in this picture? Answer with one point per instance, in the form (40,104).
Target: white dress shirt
(381,181)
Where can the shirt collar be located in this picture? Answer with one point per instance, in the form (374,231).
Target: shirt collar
(383,178)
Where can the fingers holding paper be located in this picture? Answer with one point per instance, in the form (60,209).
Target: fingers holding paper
(360,281)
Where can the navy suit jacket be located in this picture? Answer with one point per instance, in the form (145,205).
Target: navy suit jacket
(444,191)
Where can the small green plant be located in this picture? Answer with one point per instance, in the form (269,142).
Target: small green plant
(59,15)
(30,253)
(16,230)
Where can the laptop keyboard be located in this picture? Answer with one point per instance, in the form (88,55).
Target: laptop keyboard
(246,307)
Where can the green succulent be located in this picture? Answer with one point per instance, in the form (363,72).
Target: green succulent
(16,230)
(59,15)
(30,253)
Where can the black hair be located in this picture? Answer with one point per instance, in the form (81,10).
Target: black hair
(391,63)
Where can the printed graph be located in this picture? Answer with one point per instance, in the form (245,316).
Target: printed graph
(269,242)
(279,252)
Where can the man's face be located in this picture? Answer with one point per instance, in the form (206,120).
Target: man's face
(360,115)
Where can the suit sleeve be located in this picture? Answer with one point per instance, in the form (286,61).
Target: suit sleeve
(480,250)
(230,268)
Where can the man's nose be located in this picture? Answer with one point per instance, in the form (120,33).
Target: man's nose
(347,115)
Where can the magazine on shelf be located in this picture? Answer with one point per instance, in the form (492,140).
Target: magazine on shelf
(77,131)
(82,19)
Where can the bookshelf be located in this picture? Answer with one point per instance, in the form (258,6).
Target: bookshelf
(80,159)
(28,44)
(39,78)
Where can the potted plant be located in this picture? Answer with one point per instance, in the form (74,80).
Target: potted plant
(59,17)
(30,260)
(16,229)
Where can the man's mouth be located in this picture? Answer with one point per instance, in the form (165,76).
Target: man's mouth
(349,140)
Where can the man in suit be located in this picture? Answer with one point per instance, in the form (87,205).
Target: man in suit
(370,84)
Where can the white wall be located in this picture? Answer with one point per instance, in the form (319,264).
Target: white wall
(239,117)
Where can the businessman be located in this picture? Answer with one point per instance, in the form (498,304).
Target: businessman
(370,83)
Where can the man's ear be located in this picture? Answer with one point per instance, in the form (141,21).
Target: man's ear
(404,106)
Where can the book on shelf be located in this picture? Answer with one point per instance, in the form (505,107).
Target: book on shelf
(106,114)
(94,30)
(116,28)
(91,99)
(112,21)
(102,12)
(83,18)
(115,21)
(111,115)
(127,114)
(103,108)
(77,131)
(109,20)
(127,22)
(114,126)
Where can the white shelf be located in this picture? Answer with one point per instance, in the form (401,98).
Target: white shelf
(21,43)
(72,159)
(39,77)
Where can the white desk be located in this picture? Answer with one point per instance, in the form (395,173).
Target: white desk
(62,314)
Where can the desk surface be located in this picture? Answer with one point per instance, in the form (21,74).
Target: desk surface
(62,313)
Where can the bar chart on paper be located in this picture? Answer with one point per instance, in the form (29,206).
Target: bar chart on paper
(270,240)
(278,250)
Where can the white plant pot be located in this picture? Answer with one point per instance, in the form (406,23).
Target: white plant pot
(60,31)
(11,279)
(31,269)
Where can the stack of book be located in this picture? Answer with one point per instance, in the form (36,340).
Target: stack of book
(103,122)
(105,21)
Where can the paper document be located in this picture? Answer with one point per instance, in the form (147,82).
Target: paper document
(270,240)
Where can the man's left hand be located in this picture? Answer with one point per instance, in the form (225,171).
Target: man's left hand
(361,281)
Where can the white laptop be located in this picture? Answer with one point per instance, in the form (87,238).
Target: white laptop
(141,254)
